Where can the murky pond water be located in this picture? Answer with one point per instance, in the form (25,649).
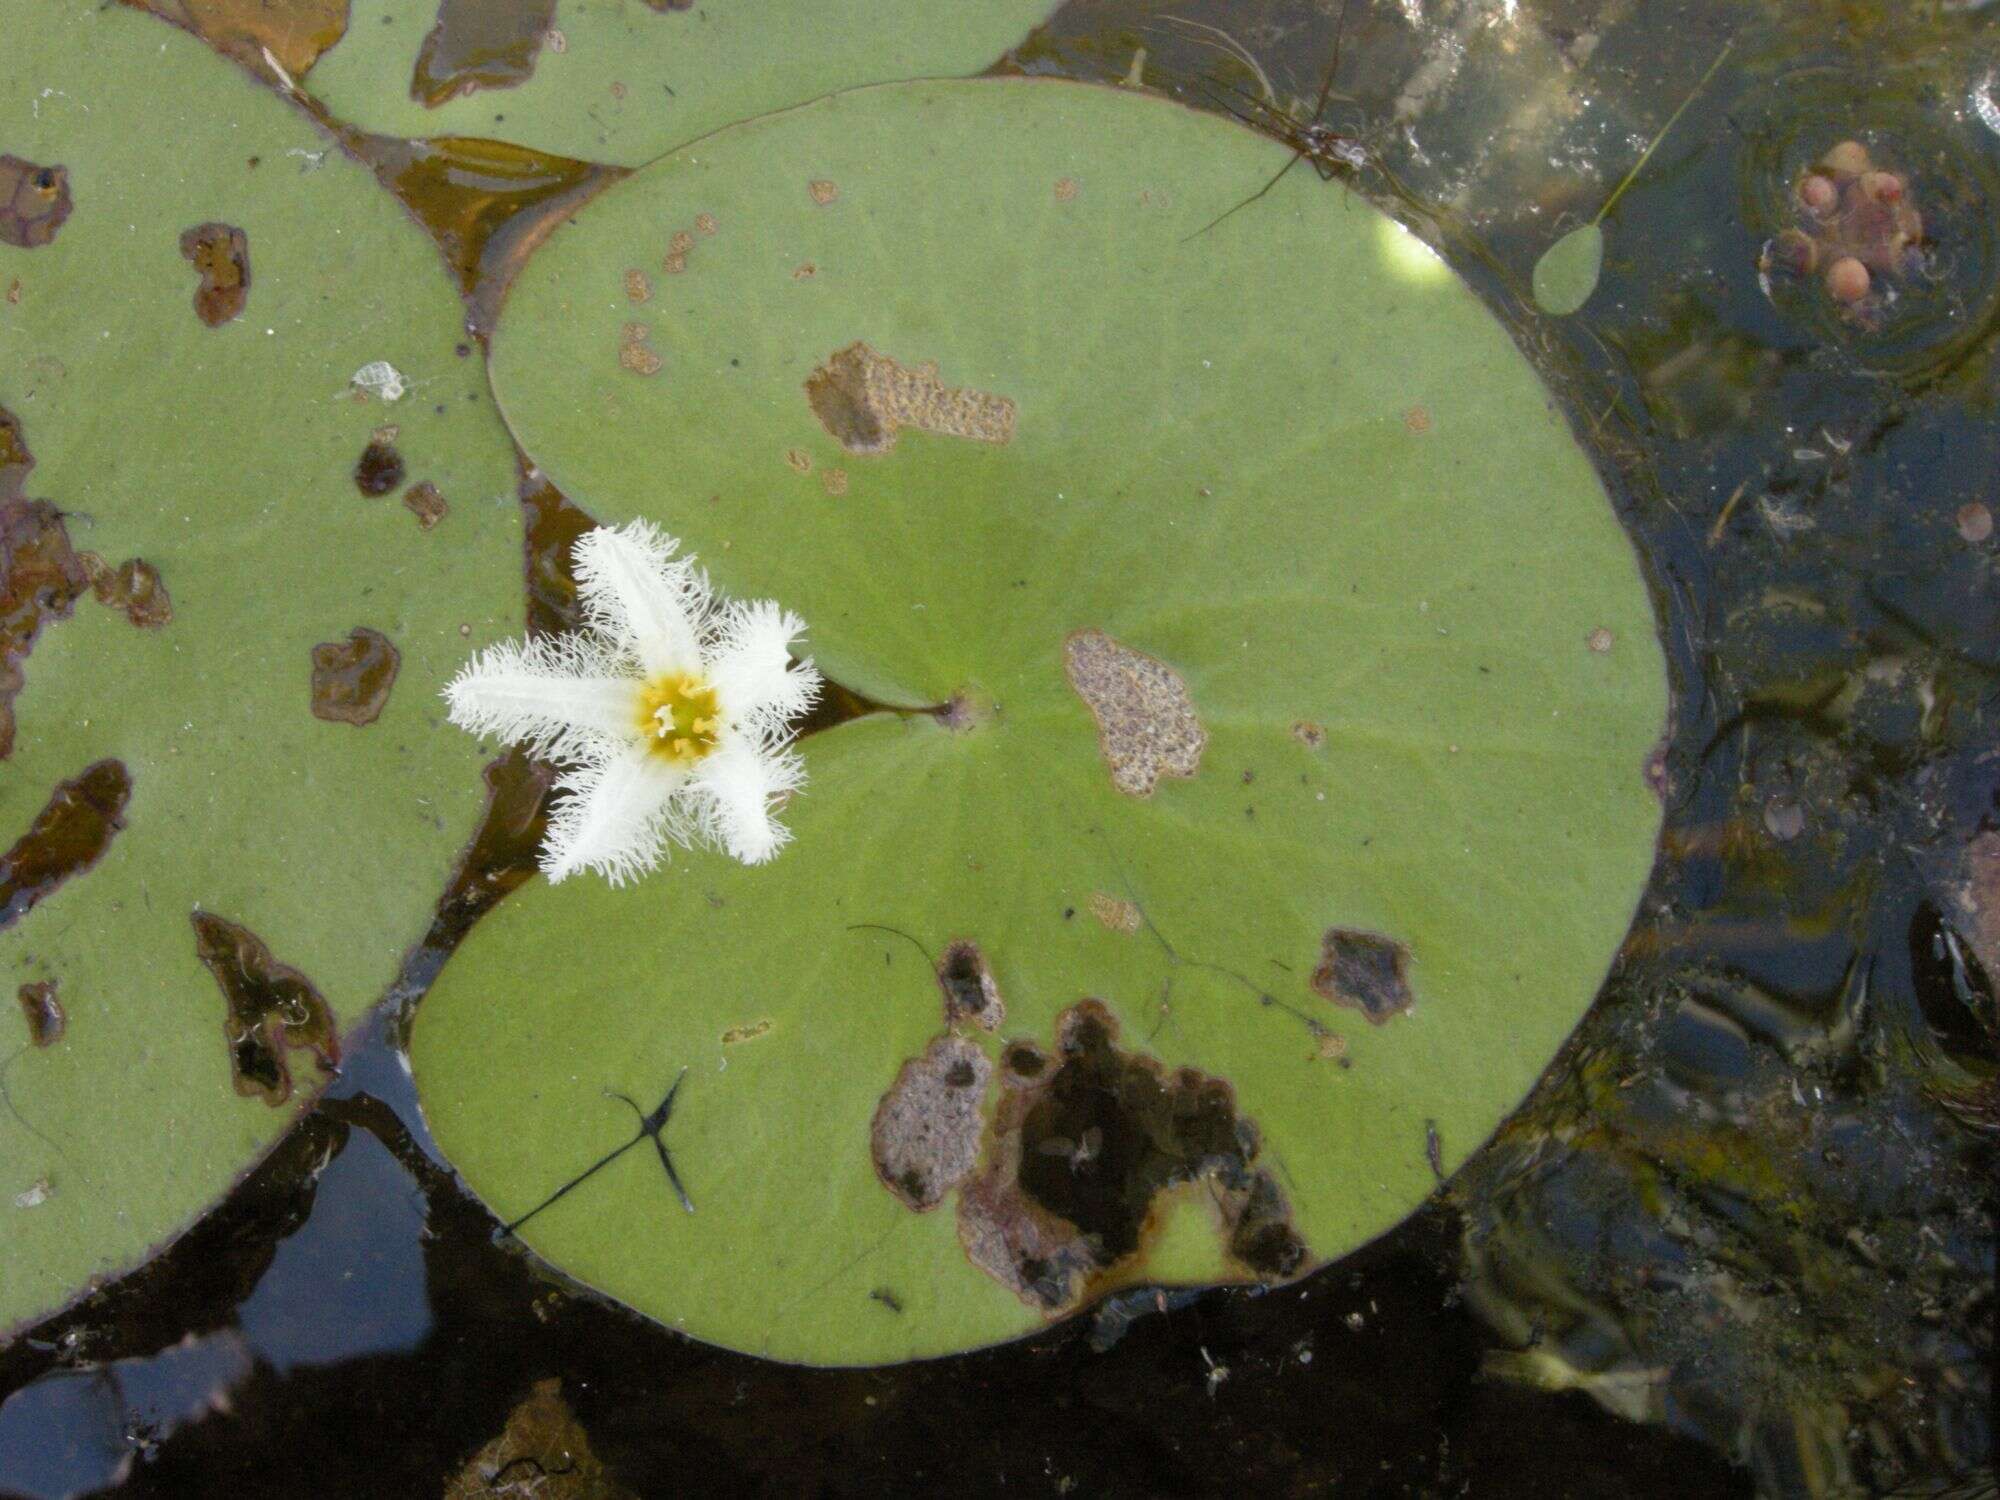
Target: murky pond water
(1740,1237)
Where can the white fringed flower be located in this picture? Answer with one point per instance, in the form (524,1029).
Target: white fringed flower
(671,707)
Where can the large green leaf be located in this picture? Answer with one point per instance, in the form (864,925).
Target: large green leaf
(224,457)
(1293,460)
(635,77)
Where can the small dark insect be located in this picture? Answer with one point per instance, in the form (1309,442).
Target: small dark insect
(1331,153)
(1434,1149)
(650,1125)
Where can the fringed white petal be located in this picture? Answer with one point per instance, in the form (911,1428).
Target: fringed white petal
(612,817)
(561,696)
(731,796)
(750,665)
(635,591)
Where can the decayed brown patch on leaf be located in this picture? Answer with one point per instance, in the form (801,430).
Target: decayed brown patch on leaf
(295,32)
(351,678)
(133,586)
(272,1009)
(541,1454)
(925,1135)
(1364,971)
(426,502)
(34,201)
(1115,912)
(40,577)
(865,399)
(43,1013)
(220,254)
(1146,723)
(1083,1149)
(379,469)
(970,993)
(68,836)
(479,44)
(633,352)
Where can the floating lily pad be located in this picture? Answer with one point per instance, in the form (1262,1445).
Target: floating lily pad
(261,867)
(1285,805)
(1567,272)
(623,80)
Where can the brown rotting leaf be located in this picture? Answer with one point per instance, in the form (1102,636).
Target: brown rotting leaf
(925,1136)
(1081,1155)
(379,469)
(478,44)
(294,32)
(133,586)
(1146,723)
(40,577)
(34,202)
(272,1009)
(68,836)
(1115,912)
(426,502)
(970,992)
(220,254)
(1364,971)
(864,399)
(351,678)
(542,1453)
(43,1013)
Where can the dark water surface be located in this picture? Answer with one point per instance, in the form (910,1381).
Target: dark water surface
(1741,1237)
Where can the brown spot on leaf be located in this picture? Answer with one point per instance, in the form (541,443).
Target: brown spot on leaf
(798,460)
(1079,1158)
(925,1136)
(1310,734)
(823,191)
(864,399)
(68,836)
(674,263)
(34,202)
(133,586)
(379,469)
(272,1009)
(681,243)
(1364,971)
(834,481)
(1599,640)
(805,271)
(705,222)
(1065,189)
(40,577)
(745,1033)
(1146,724)
(351,678)
(477,44)
(426,502)
(970,993)
(1115,912)
(220,254)
(633,352)
(1417,419)
(638,285)
(43,1013)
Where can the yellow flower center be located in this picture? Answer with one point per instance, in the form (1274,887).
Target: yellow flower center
(679,717)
